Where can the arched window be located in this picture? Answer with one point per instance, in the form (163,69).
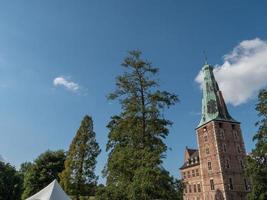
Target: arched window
(198,187)
(212,187)
(238,149)
(206,137)
(221,133)
(227,163)
(231,187)
(209,165)
(207,150)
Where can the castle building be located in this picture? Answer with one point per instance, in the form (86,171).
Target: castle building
(216,169)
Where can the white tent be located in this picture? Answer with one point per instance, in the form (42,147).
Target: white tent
(51,192)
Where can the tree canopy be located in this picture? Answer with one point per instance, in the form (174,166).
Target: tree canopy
(136,135)
(42,171)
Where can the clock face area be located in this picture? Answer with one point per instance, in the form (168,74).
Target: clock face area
(209,87)
(211,107)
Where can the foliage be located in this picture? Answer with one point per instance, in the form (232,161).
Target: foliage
(42,171)
(25,167)
(135,141)
(101,192)
(179,188)
(157,184)
(78,178)
(257,161)
(10,182)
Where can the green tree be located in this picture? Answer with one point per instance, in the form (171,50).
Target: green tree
(101,192)
(25,167)
(79,178)
(257,161)
(42,171)
(135,141)
(10,182)
(179,188)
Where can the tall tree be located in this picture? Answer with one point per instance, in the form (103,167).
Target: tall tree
(10,182)
(135,141)
(257,161)
(42,171)
(79,178)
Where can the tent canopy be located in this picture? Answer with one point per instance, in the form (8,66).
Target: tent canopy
(51,192)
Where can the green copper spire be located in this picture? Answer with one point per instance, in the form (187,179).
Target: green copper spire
(213,105)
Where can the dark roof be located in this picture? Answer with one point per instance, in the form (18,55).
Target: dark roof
(193,153)
(184,166)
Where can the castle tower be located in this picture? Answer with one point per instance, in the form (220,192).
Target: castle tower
(221,151)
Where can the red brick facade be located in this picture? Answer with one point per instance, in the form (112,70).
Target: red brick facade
(217,170)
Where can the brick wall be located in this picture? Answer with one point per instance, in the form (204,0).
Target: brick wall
(222,154)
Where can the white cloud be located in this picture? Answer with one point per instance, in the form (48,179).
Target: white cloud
(243,72)
(65,82)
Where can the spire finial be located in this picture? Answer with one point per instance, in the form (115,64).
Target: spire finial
(205,57)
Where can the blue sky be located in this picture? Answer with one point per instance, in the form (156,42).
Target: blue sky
(59,60)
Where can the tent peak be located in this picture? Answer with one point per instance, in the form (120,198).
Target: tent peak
(51,192)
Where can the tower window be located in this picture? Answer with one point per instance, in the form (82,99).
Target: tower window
(233,126)
(246,184)
(198,187)
(224,147)
(241,164)
(195,188)
(209,165)
(205,129)
(207,151)
(227,163)
(184,175)
(220,125)
(193,173)
(206,137)
(197,172)
(188,174)
(212,187)
(221,133)
(231,184)
(190,190)
(190,161)
(238,149)
(235,134)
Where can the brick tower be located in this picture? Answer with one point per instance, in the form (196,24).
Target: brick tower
(221,152)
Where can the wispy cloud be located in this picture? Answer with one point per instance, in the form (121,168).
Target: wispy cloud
(243,72)
(66,83)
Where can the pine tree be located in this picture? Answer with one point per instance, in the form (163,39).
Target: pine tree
(135,141)
(257,161)
(78,178)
